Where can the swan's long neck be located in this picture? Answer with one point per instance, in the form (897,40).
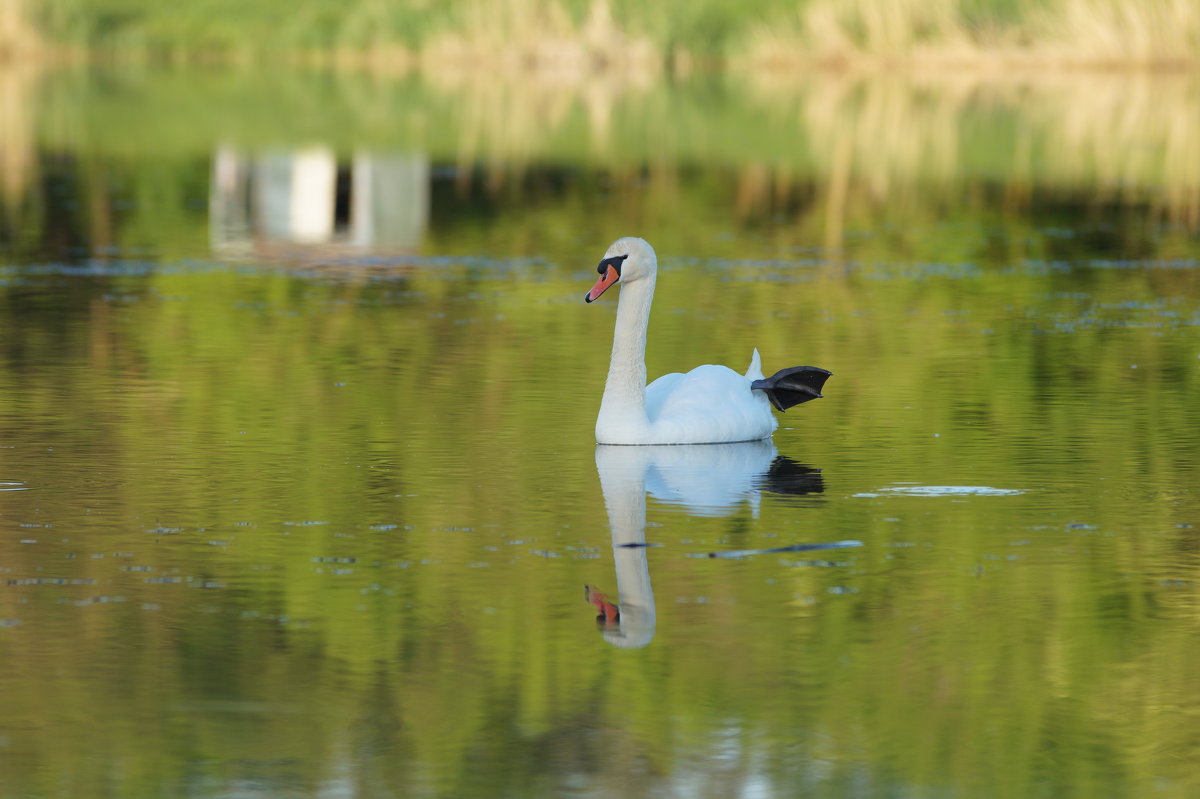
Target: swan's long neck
(625,389)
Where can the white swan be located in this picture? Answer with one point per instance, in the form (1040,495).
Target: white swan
(708,405)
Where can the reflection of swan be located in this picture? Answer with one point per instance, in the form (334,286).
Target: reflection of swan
(710,404)
(707,480)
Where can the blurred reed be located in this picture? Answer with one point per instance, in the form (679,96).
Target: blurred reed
(19,39)
(539,35)
(957,33)
(621,35)
(854,148)
(17,143)
(1127,138)
(870,144)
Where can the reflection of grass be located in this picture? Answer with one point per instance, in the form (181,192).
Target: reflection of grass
(16,131)
(851,149)
(1128,138)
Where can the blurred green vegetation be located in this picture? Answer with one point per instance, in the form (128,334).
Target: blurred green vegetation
(582,31)
(324,522)
(832,155)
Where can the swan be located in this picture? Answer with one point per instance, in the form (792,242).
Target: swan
(708,405)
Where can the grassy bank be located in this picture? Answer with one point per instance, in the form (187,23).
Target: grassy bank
(585,35)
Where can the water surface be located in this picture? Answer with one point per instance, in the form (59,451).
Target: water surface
(299,495)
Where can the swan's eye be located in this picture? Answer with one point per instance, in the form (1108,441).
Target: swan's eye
(614,262)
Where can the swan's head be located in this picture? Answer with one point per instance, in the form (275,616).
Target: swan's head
(625,261)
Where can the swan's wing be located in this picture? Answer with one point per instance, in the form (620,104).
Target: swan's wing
(658,392)
(709,404)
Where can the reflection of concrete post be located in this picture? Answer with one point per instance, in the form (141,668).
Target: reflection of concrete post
(390,203)
(313,196)
(271,189)
(294,195)
(290,197)
(229,202)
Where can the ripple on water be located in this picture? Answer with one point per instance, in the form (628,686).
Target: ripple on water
(942,491)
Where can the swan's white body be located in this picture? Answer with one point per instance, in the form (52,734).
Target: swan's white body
(708,405)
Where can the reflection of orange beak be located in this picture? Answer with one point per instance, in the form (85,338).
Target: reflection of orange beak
(606,280)
(609,613)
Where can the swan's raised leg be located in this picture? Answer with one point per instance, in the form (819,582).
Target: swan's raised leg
(793,385)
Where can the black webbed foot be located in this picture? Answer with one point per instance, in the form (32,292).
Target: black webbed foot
(793,385)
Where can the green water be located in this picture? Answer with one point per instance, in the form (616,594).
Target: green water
(298,488)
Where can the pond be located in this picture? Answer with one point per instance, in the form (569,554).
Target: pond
(300,495)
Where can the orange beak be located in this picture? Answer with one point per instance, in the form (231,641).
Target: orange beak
(609,613)
(610,276)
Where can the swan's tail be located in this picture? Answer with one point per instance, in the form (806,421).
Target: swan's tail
(793,385)
(755,370)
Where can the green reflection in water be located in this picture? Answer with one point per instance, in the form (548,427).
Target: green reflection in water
(809,162)
(321,529)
